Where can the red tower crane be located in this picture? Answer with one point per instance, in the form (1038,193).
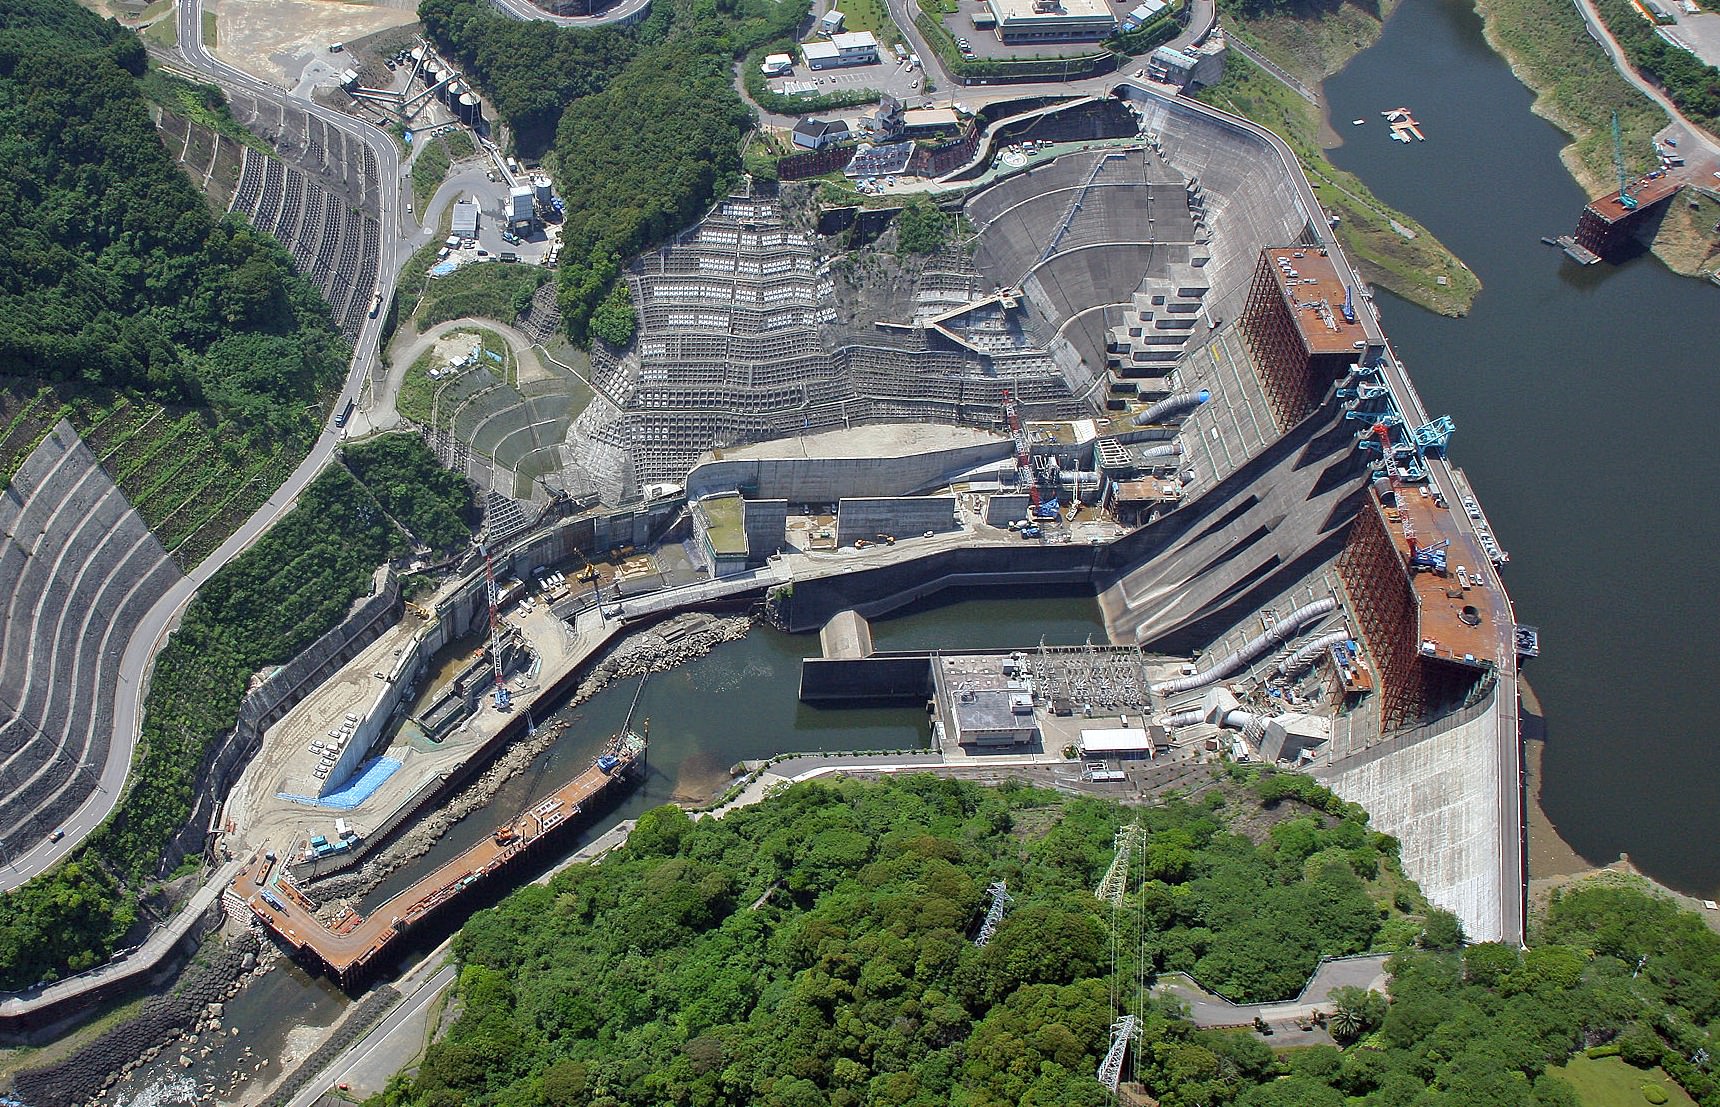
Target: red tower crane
(503,701)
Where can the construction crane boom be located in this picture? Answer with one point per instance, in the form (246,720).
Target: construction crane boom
(503,700)
(1625,199)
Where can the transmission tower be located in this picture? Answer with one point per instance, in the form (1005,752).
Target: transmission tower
(1116,878)
(1111,1068)
(999,893)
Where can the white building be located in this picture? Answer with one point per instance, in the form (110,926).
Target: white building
(816,134)
(465,223)
(775,65)
(1053,20)
(857,48)
(831,23)
(520,199)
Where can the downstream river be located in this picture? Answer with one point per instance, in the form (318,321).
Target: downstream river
(740,702)
(1582,399)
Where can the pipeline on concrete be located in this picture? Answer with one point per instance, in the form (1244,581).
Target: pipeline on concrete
(1237,719)
(1299,662)
(1172,405)
(1285,629)
(1168,449)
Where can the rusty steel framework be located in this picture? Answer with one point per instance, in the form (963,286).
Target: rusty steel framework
(1286,369)
(1376,580)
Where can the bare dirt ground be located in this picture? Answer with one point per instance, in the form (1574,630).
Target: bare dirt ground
(276,39)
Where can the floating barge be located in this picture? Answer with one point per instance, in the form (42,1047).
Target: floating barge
(354,943)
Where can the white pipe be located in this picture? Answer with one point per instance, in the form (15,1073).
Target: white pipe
(1237,719)
(1299,662)
(1285,629)
(1169,449)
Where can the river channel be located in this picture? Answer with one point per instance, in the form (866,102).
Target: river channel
(740,702)
(1582,398)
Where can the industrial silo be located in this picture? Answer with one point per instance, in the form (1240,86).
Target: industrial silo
(470,112)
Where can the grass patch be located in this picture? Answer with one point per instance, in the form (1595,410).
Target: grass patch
(486,290)
(1312,43)
(191,485)
(429,170)
(418,389)
(1390,248)
(460,145)
(1687,241)
(1576,86)
(1609,1082)
(871,15)
(204,105)
(209,30)
(163,33)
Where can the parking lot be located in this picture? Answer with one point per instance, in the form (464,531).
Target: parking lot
(889,76)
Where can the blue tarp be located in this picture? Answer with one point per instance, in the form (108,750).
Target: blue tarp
(443,268)
(361,787)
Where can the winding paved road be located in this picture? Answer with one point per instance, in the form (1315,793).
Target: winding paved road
(151,631)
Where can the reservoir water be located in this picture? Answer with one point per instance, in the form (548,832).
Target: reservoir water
(1582,399)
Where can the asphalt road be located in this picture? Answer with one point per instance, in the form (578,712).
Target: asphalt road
(164,616)
(390,1045)
(620,13)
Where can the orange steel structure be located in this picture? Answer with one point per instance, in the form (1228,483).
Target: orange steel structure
(354,943)
(1606,227)
(1431,638)
(1295,324)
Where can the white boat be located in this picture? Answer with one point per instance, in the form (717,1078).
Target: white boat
(1357,122)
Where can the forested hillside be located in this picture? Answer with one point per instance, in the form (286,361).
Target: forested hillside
(641,127)
(818,948)
(113,271)
(817,951)
(264,607)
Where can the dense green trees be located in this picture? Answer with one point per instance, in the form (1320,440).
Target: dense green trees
(641,127)
(112,269)
(1689,82)
(818,950)
(431,503)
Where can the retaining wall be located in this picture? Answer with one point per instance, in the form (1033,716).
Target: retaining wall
(266,705)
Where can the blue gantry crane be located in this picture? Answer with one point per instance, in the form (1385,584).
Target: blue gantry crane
(1626,199)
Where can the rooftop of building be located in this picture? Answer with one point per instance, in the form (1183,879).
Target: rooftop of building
(982,697)
(854,40)
(1030,10)
(1648,192)
(872,441)
(1316,294)
(725,524)
(1468,624)
(1148,491)
(818,128)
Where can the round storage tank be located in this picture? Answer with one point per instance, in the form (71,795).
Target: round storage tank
(452,90)
(469,111)
(432,75)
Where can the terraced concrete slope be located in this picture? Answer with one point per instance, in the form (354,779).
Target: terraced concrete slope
(78,572)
